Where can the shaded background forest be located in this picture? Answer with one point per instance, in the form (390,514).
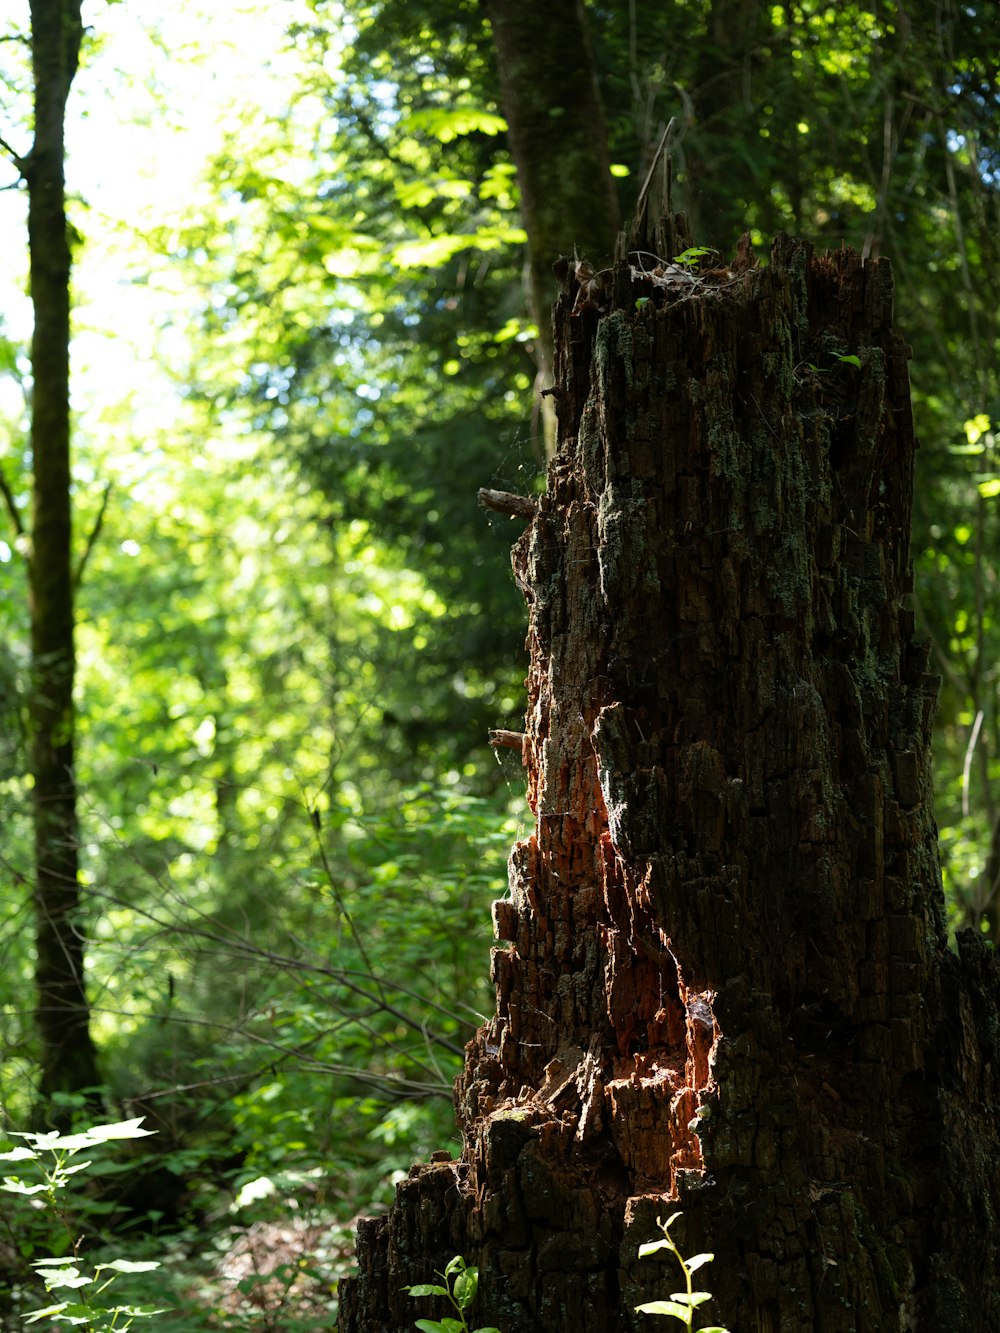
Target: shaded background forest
(297,627)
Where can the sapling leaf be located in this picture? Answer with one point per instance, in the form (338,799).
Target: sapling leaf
(695,1262)
(713,1328)
(122,1129)
(14,1186)
(49,1312)
(426,1289)
(851,360)
(466,1284)
(690,257)
(62,1277)
(130,1265)
(652,1246)
(71,1169)
(691,1297)
(18,1155)
(667,1308)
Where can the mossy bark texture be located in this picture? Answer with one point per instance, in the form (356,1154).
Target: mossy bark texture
(724,984)
(66,1052)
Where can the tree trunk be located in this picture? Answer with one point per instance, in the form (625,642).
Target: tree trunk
(559,143)
(726,981)
(67,1058)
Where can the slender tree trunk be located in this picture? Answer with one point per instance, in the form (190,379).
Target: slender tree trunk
(727,981)
(68,1061)
(558,138)
(720,172)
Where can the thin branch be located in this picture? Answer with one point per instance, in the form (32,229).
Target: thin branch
(503,502)
(642,202)
(510,740)
(20,162)
(95,533)
(11,503)
(967,766)
(961,686)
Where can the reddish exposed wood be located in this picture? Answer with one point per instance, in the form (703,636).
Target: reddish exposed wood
(508,740)
(724,976)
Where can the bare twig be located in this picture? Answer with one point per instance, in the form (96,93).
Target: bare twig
(11,503)
(20,162)
(503,502)
(967,766)
(95,533)
(643,200)
(509,740)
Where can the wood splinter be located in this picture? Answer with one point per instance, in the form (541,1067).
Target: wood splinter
(517,506)
(508,740)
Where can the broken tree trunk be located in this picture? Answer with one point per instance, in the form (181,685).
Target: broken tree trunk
(725,979)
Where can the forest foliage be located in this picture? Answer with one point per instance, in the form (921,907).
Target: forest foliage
(296,627)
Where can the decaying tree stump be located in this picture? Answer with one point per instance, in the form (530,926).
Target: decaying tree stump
(724,977)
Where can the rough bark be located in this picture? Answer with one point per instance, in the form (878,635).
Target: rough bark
(558,140)
(67,1056)
(725,979)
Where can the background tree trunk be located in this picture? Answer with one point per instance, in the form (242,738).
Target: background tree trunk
(727,980)
(68,1062)
(559,141)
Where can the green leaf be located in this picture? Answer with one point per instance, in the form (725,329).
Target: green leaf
(652,1246)
(14,1186)
(691,257)
(430,1326)
(695,1262)
(18,1155)
(49,1312)
(129,1266)
(713,1328)
(446,123)
(466,1284)
(851,360)
(988,489)
(666,1308)
(121,1129)
(62,1277)
(426,1289)
(71,1170)
(691,1298)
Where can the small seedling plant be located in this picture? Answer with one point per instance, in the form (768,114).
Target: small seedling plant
(682,1304)
(460,1284)
(49,1158)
